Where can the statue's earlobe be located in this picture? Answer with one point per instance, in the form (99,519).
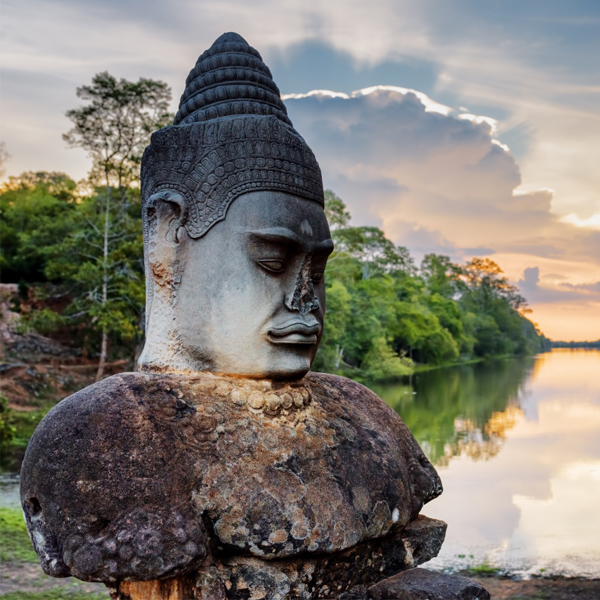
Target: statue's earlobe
(166,216)
(167,213)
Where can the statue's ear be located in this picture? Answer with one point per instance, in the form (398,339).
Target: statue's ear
(167,214)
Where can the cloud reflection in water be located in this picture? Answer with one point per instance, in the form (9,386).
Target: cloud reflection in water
(522,480)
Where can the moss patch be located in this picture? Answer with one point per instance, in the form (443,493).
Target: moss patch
(15,544)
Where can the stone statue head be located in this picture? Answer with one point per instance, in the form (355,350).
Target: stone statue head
(235,235)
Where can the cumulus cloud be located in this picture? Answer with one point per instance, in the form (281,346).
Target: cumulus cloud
(437,180)
(399,158)
(478,57)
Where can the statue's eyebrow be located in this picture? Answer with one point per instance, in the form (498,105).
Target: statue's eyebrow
(285,236)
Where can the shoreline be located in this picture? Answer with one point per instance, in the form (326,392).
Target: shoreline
(551,587)
(23,577)
(26,580)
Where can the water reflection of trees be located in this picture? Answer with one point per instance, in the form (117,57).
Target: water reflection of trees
(464,410)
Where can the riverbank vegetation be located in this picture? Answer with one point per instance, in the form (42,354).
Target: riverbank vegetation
(576,345)
(75,251)
(386,314)
(78,261)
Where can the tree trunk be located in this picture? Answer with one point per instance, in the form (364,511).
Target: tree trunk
(193,586)
(103,352)
(339,354)
(104,344)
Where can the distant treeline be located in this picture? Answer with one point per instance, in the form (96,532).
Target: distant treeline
(78,260)
(591,345)
(385,315)
(77,257)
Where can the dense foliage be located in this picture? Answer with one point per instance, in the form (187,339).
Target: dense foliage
(585,345)
(384,315)
(7,427)
(84,251)
(78,258)
(115,124)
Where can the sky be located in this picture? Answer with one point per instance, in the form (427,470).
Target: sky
(459,127)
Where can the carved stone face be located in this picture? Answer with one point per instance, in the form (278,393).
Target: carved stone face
(252,295)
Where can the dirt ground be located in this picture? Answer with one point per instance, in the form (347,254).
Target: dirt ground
(540,588)
(28,577)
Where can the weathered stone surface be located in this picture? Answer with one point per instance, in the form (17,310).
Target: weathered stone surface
(328,575)
(222,470)
(142,476)
(421,584)
(231,135)
(302,578)
(274,247)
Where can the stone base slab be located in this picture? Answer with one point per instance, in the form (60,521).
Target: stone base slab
(322,577)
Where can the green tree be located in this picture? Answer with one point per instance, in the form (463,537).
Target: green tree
(496,309)
(417,330)
(377,254)
(486,283)
(442,276)
(115,125)
(390,311)
(36,209)
(333,343)
(8,430)
(381,362)
(114,128)
(338,216)
(450,318)
(100,266)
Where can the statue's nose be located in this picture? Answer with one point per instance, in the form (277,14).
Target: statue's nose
(302,298)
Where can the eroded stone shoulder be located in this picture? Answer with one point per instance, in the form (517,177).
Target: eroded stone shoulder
(105,492)
(176,464)
(377,416)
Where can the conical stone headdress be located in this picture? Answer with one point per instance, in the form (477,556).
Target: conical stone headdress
(230,136)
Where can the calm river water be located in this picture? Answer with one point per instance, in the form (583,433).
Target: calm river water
(517,444)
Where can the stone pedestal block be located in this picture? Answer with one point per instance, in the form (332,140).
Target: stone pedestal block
(303,578)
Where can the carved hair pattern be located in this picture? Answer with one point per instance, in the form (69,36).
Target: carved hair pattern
(230,136)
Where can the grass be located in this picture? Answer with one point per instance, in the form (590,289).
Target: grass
(55,594)
(16,549)
(25,422)
(15,544)
(483,569)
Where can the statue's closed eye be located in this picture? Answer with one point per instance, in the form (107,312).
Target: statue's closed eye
(317,276)
(273,265)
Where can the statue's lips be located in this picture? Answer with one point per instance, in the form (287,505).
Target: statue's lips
(295,333)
